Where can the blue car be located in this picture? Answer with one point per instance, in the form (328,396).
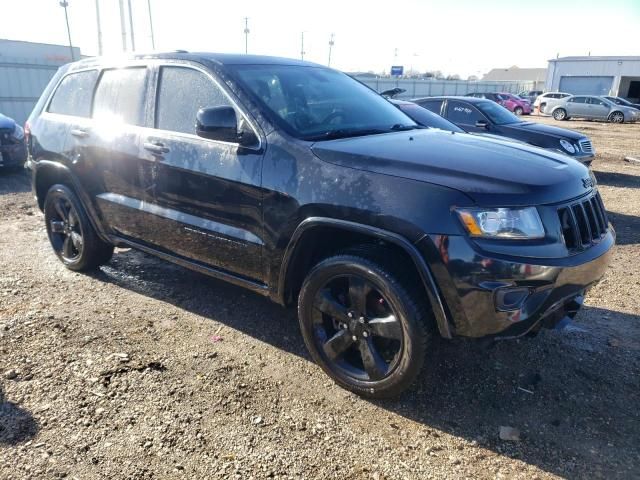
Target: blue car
(13,152)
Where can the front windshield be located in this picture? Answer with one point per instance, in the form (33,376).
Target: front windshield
(497,114)
(314,103)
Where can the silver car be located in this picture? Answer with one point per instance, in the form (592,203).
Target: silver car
(593,107)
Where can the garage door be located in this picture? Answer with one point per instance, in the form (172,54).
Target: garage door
(586,85)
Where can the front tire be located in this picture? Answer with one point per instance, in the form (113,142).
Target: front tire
(518,111)
(560,114)
(364,324)
(616,117)
(70,232)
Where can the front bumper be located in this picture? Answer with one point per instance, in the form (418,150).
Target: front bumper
(13,155)
(499,296)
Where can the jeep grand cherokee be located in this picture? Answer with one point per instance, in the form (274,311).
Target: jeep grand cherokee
(305,186)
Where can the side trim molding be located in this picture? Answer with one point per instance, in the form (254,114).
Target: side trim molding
(428,280)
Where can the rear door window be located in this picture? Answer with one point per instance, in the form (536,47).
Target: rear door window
(578,100)
(73,95)
(182,92)
(120,96)
(463,113)
(434,105)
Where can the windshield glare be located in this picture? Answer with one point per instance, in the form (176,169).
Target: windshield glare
(497,114)
(313,103)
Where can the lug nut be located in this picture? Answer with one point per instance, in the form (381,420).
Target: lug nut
(361,319)
(354,338)
(350,315)
(365,334)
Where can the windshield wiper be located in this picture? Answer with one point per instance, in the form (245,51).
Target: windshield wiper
(399,127)
(346,133)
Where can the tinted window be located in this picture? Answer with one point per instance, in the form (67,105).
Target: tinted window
(497,113)
(463,113)
(316,103)
(181,93)
(428,118)
(73,95)
(120,96)
(597,101)
(433,105)
(578,100)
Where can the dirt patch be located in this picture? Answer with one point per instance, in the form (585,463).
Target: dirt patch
(146,370)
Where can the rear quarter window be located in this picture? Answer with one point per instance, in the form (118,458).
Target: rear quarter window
(434,105)
(120,96)
(74,93)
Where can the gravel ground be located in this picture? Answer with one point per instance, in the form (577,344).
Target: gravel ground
(146,370)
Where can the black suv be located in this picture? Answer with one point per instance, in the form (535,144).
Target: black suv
(303,185)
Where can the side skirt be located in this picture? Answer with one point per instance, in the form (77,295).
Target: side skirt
(254,286)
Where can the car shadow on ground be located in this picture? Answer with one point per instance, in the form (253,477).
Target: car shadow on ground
(17,425)
(559,389)
(627,228)
(615,179)
(14,181)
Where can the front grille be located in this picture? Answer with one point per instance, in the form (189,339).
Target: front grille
(585,146)
(583,223)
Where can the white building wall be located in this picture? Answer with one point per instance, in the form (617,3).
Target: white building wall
(592,67)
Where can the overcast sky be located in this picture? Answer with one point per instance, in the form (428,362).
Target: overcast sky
(467,37)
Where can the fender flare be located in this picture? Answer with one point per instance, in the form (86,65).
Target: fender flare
(85,200)
(428,280)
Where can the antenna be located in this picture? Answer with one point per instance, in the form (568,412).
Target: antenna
(246,35)
(302,46)
(331,43)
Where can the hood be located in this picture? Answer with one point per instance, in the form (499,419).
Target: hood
(491,172)
(6,122)
(534,127)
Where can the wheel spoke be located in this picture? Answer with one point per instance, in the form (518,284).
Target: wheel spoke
(328,305)
(387,327)
(358,291)
(338,344)
(76,239)
(73,217)
(67,247)
(62,213)
(374,364)
(57,226)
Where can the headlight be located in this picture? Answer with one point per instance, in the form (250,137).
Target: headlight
(507,223)
(567,146)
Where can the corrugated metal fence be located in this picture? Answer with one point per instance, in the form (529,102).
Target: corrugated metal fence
(416,88)
(21,83)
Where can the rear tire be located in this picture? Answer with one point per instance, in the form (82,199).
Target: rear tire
(70,232)
(560,114)
(364,322)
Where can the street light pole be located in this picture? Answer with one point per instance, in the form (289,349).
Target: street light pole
(99,27)
(153,40)
(246,35)
(133,40)
(331,43)
(64,4)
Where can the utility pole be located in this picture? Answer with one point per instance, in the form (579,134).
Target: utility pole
(133,40)
(331,43)
(153,40)
(302,46)
(99,29)
(246,35)
(123,29)
(64,4)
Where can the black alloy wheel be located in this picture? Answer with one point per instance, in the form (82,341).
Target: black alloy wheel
(70,232)
(362,326)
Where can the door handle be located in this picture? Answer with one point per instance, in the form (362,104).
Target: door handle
(79,132)
(156,148)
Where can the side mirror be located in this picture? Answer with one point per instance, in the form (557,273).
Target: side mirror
(482,124)
(217,123)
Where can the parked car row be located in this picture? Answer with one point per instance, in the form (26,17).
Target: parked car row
(303,185)
(592,107)
(511,102)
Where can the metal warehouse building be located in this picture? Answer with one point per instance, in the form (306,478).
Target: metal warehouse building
(25,70)
(619,76)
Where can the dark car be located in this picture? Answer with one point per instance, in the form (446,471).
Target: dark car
(13,152)
(424,117)
(481,115)
(305,186)
(623,101)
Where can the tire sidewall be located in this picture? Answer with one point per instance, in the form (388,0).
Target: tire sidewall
(410,360)
(559,113)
